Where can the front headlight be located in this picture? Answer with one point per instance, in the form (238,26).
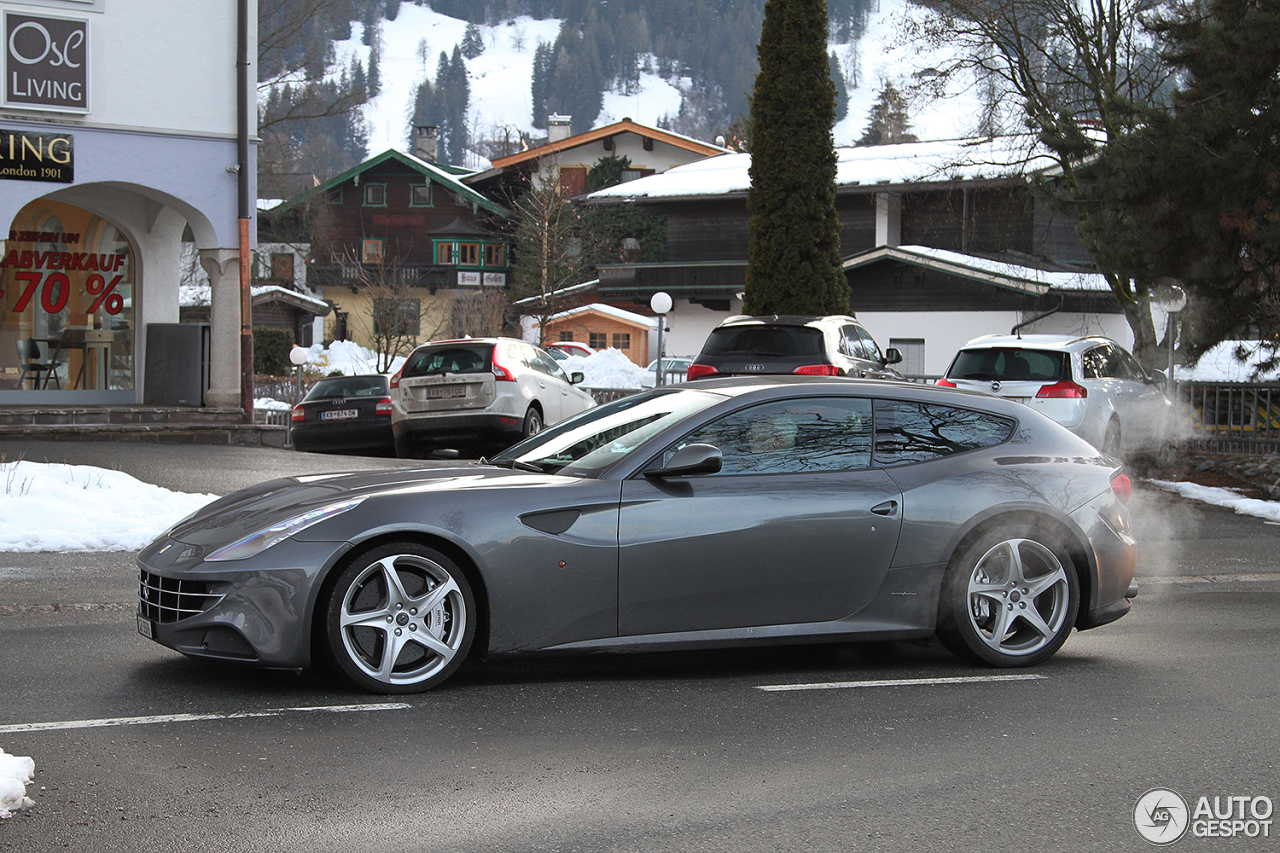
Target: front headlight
(258,542)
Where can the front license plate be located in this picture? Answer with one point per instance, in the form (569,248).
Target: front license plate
(339,415)
(445,391)
(144,628)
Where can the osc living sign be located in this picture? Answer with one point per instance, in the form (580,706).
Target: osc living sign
(46,62)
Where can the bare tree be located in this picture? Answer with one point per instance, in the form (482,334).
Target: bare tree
(1078,72)
(549,254)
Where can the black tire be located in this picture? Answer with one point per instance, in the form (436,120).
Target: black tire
(400,619)
(1112,440)
(1009,598)
(532,422)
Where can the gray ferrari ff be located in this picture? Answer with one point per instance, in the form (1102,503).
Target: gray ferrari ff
(719,513)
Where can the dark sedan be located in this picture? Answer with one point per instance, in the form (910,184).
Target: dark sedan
(718,513)
(345,414)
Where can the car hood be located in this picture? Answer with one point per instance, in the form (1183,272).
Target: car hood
(250,510)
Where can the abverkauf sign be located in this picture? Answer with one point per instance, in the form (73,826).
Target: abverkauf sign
(46,62)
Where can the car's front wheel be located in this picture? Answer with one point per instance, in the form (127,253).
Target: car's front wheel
(400,618)
(1009,598)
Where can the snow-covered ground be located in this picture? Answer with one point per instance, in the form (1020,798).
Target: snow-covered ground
(500,78)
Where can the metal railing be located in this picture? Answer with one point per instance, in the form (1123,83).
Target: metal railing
(1232,417)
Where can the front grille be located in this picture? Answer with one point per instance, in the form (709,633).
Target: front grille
(162,599)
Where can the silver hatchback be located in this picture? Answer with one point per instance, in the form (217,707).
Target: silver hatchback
(1089,384)
(482,393)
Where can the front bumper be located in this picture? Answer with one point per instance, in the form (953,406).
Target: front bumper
(246,612)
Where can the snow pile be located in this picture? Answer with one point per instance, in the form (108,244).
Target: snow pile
(607,368)
(1228,498)
(16,772)
(114,511)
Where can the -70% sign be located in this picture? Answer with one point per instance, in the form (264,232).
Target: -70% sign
(55,290)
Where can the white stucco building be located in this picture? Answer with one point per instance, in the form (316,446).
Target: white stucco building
(122,124)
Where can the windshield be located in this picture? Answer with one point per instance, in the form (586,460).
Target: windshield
(775,341)
(597,439)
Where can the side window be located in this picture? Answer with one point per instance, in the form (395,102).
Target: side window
(916,432)
(852,342)
(869,346)
(1095,363)
(548,365)
(793,436)
(1128,366)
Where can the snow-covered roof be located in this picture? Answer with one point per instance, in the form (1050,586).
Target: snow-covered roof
(197,293)
(610,311)
(1000,273)
(988,159)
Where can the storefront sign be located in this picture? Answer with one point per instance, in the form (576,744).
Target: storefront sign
(468,279)
(495,279)
(27,156)
(46,62)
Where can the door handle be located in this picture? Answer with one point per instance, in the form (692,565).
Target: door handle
(886,508)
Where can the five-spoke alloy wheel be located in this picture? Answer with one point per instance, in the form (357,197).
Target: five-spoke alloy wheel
(1009,599)
(400,618)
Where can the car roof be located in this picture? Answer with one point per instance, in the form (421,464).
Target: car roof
(1043,341)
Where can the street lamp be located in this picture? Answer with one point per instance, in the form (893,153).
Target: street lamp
(1172,299)
(661,304)
(298,356)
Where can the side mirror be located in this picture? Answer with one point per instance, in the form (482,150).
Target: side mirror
(892,356)
(690,459)
(1157,377)
(577,377)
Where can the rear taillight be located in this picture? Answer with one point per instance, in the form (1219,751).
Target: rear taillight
(817,370)
(500,373)
(298,414)
(395,379)
(383,406)
(1122,487)
(943,382)
(1066,388)
(697,371)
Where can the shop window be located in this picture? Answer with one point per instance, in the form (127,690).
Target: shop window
(444,253)
(371,251)
(67,293)
(375,195)
(622,340)
(420,195)
(468,254)
(495,255)
(598,340)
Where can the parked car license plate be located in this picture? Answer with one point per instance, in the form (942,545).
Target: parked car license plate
(339,415)
(446,391)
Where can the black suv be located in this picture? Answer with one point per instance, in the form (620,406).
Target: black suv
(816,346)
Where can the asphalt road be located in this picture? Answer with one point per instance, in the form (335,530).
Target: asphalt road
(139,749)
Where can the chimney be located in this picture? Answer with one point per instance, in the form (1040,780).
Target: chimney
(558,127)
(426,142)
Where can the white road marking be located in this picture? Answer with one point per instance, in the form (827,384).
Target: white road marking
(902,682)
(190,718)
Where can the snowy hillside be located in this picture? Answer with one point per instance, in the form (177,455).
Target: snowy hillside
(500,77)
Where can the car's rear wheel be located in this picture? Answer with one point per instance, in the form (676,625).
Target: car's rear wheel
(532,422)
(1111,440)
(1009,598)
(400,618)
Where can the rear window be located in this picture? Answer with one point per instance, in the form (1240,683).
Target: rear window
(775,341)
(450,358)
(348,386)
(1011,364)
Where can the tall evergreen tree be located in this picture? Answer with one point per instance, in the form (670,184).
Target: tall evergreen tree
(472,42)
(541,82)
(888,122)
(794,265)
